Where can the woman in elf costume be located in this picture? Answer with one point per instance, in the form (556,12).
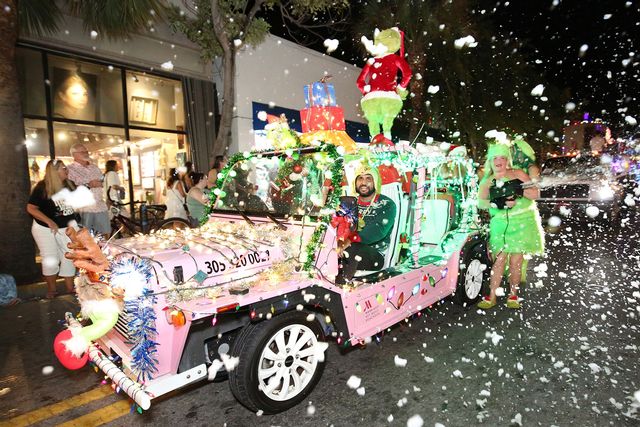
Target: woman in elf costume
(515,227)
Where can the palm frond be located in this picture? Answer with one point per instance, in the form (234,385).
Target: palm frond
(118,18)
(38,17)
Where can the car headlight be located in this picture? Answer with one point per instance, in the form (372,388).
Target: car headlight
(605,193)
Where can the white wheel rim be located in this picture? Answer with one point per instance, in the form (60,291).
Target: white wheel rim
(473,279)
(288,362)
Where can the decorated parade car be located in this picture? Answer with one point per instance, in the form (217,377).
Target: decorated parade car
(256,293)
(252,294)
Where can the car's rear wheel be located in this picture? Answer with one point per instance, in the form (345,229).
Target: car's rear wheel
(280,362)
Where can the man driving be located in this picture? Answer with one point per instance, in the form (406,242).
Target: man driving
(376,216)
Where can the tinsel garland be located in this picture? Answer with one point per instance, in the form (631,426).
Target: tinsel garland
(133,274)
(142,333)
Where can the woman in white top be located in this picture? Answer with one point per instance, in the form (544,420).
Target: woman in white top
(112,186)
(175,200)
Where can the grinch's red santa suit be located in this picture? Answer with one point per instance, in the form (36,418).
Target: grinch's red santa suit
(382,74)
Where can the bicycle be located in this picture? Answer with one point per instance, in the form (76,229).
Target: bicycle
(151,218)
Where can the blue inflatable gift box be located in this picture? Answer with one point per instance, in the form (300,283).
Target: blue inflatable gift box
(319,94)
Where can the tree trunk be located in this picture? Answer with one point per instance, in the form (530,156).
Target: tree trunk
(17,255)
(228,100)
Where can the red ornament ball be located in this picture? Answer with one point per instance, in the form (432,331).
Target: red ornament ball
(297,168)
(67,359)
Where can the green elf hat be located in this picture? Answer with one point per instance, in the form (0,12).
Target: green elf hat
(366,168)
(499,147)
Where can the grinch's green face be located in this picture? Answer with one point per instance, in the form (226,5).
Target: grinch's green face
(389,38)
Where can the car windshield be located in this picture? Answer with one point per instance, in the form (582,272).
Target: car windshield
(279,184)
(585,166)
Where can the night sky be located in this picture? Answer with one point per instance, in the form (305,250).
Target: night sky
(588,48)
(606,75)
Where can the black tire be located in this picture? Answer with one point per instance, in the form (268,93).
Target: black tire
(173,224)
(474,273)
(254,340)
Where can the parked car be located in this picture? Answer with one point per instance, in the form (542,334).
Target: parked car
(577,182)
(251,296)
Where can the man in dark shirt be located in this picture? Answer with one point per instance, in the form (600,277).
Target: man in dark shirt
(376,217)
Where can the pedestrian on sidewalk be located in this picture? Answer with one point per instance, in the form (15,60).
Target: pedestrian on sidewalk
(50,222)
(83,172)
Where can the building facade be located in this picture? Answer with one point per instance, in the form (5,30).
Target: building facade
(151,104)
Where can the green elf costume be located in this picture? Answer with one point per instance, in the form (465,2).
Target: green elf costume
(516,230)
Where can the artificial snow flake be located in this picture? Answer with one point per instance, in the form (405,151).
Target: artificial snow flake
(311,410)
(399,361)
(331,44)
(457,373)
(583,49)
(594,368)
(47,370)
(79,198)
(353,382)
(167,65)
(592,211)
(554,221)
(360,391)
(517,420)
(495,337)
(433,89)
(631,120)
(93,34)
(537,91)
(467,41)
(415,421)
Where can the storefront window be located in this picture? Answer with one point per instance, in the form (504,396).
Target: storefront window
(153,154)
(85,91)
(31,78)
(37,142)
(155,102)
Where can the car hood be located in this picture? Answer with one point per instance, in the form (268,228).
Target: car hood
(215,253)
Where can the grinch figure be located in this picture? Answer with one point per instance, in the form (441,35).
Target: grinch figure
(378,81)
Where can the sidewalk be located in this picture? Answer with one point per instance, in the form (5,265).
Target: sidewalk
(38,290)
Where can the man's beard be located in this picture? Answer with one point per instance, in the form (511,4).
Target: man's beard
(368,193)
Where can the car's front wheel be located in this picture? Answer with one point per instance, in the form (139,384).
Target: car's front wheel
(280,362)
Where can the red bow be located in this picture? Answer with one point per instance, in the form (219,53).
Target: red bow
(343,229)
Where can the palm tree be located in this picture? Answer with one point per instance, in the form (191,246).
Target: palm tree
(110,18)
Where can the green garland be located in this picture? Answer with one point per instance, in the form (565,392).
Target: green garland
(337,175)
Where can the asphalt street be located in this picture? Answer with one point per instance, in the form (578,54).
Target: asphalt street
(569,357)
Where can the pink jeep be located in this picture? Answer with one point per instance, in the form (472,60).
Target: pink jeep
(251,295)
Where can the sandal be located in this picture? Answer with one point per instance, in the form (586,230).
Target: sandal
(486,303)
(51,295)
(512,302)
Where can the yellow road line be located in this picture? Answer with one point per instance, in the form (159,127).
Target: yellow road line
(101,416)
(49,411)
